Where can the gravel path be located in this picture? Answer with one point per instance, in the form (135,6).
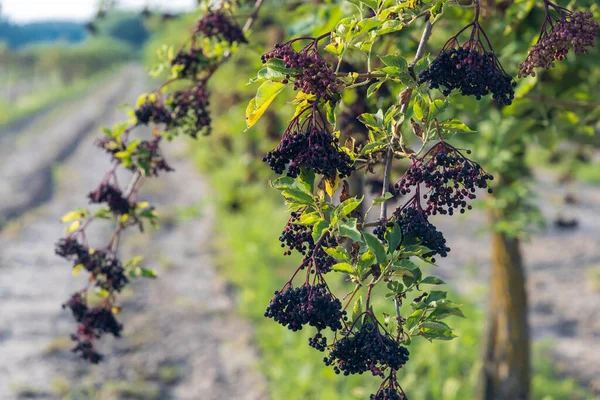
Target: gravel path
(182,339)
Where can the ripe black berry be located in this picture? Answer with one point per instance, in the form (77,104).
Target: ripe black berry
(449,178)
(111,194)
(471,68)
(217,24)
(368,349)
(309,145)
(314,74)
(312,305)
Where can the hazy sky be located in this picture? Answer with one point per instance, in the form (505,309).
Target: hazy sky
(35,10)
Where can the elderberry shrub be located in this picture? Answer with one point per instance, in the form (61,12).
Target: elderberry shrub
(150,112)
(450,177)
(110,194)
(107,269)
(314,74)
(190,110)
(314,149)
(312,305)
(366,350)
(569,29)
(217,24)
(190,63)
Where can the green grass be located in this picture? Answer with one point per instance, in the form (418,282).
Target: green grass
(250,257)
(32,103)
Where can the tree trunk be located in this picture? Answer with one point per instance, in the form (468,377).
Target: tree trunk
(506,360)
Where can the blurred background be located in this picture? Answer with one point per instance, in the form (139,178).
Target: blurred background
(198,332)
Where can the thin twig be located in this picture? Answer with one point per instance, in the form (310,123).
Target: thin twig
(403,108)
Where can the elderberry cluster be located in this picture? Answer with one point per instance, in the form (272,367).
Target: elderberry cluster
(366,350)
(93,323)
(312,305)
(451,179)
(577,30)
(190,110)
(314,149)
(314,76)
(150,112)
(387,394)
(414,222)
(190,62)
(295,236)
(217,24)
(107,269)
(318,342)
(474,72)
(111,194)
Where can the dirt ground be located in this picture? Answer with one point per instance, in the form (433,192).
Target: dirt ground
(181,339)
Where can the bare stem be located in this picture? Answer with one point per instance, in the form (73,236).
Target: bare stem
(403,108)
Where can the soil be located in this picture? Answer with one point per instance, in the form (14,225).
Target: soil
(182,339)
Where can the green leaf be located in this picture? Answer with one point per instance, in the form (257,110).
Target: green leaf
(432,280)
(319,229)
(412,320)
(374,88)
(383,198)
(366,259)
(264,97)
(436,108)
(349,205)
(285,182)
(394,237)
(393,60)
(435,325)
(373,147)
(357,311)
(343,267)
(435,295)
(349,229)
(148,273)
(455,126)
(298,196)
(306,181)
(309,219)
(339,253)
(377,247)
(418,111)
(372,4)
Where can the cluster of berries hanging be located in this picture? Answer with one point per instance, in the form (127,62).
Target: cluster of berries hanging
(370,348)
(308,143)
(184,111)
(312,74)
(562,29)
(471,67)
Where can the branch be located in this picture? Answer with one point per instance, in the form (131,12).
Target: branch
(403,108)
(252,16)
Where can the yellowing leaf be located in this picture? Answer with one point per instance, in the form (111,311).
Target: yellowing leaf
(76,214)
(264,97)
(331,185)
(77,269)
(143,204)
(73,227)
